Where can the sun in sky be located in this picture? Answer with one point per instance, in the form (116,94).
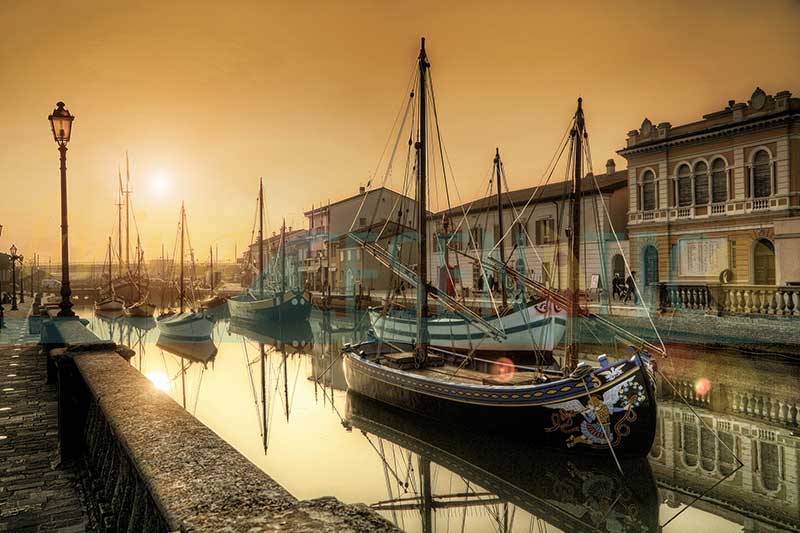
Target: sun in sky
(160,184)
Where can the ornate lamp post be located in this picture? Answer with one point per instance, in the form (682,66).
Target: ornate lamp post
(14,258)
(2,311)
(61,124)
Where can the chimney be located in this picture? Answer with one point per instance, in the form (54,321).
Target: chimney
(361,190)
(611,167)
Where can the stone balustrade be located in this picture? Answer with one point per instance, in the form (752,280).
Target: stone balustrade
(731,299)
(760,300)
(685,296)
(761,406)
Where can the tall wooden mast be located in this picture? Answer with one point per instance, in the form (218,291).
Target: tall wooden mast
(283,258)
(110,283)
(571,359)
(211,267)
(127,214)
(261,238)
(421,351)
(119,221)
(183,225)
(501,274)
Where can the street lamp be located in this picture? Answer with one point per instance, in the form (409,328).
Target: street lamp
(14,259)
(61,124)
(2,311)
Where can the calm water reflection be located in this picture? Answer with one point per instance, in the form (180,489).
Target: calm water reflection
(289,413)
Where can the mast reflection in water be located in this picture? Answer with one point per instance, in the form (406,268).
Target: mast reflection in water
(735,407)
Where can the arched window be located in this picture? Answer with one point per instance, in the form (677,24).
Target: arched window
(719,181)
(684,186)
(648,191)
(762,185)
(700,183)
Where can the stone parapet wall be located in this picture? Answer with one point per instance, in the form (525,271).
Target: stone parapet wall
(151,466)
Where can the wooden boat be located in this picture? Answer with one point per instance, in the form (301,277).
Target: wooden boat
(184,324)
(111,302)
(580,408)
(141,309)
(277,305)
(534,326)
(570,492)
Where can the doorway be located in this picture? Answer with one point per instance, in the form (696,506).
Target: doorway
(764,262)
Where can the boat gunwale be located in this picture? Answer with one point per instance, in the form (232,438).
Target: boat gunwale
(519,390)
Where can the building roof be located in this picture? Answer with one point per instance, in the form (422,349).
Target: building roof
(371,232)
(547,193)
(323,207)
(277,237)
(760,108)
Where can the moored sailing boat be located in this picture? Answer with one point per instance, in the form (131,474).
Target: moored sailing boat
(581,408)
(273,305)
(532,326)
(111,302)
(142,306)
(184,324)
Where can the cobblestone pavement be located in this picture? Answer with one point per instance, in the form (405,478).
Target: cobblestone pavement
(36,494)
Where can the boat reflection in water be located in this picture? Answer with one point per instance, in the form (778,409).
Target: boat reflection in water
(291,337)
(200,350)
(569,492)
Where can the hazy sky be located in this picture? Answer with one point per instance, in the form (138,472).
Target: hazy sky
(208,96)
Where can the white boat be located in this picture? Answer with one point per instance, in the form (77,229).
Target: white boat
(110,303)
(186,325)
(541,325)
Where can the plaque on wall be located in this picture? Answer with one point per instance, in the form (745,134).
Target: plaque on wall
(702,257)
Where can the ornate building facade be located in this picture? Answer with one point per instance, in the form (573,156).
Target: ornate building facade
(714,205)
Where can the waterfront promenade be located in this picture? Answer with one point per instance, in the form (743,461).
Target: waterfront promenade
(37,493)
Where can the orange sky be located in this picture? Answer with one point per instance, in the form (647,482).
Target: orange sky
(208,96)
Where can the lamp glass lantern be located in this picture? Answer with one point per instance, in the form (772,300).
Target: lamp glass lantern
(61,123)
(13,250)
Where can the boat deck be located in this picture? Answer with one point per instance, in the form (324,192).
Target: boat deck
(450,373)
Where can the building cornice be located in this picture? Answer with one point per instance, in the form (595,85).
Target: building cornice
(711,133)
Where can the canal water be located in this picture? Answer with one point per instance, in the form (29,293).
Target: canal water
(726,457)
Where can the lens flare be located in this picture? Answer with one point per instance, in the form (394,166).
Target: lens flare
(504,371)
(159,380)
(702,386)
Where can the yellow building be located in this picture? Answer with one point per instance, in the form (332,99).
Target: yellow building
(713,207)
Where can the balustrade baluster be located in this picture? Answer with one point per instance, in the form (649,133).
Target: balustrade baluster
(773,301)
(795,303)
(786,302)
